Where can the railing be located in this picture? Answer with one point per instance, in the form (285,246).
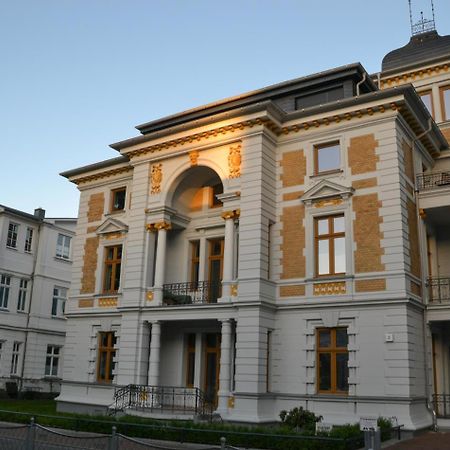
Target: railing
(439,290)
(441,403)
(429,181)
(191,292)
(163,399)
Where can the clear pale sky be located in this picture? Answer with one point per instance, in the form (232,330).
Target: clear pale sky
(78,75)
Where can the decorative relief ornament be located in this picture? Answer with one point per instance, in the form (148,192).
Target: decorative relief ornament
(234,161)
(149,296)
(107,302)
(234,290)
(153,227)
(328,202)
(335,288)
(234,214)
(156,178)
(193,156)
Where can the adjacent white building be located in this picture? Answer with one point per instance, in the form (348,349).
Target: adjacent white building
(35,268)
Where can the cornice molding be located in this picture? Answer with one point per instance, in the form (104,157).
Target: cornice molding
(409,77)
(101,175)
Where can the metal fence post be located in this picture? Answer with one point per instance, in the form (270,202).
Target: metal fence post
(31,435)
(113,441)
(223,443)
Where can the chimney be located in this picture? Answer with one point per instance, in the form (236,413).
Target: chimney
(39,213)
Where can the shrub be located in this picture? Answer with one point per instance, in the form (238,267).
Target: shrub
(299,418)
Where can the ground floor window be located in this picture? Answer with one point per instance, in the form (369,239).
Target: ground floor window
(52,360)
(332,360)
(106,354)
(190,363)
(15,358)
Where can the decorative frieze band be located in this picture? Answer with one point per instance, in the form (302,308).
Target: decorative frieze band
(333,288)
(411,76)
(107,302)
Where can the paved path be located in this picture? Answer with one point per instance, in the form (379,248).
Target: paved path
(427,441)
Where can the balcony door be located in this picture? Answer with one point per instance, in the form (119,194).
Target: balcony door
(211,367)
(215,268)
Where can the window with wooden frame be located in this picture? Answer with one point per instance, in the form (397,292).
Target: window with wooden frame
(215,190)
(118,199)
(332,360)
(329,237)
(427,98)
(112,265)
(106,354)
(327,158)
(190,360)
(195,261)
(445,102)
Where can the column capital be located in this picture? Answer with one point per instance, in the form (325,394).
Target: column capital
(232,214)
(156,226)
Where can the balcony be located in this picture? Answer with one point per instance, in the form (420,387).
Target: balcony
(434,191)
(428,181)
(439,290)
(189,293)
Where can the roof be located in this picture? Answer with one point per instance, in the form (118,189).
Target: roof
(421,49)
(98,165)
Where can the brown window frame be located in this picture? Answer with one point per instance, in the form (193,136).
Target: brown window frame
(114,192)
(443,110)
(214,202)
(333,350)
(331,236)
(110,352)
(190,351)
(426,92)
(316,157)
(114,262)
(195,261)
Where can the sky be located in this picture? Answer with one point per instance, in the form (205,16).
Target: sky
(78,75)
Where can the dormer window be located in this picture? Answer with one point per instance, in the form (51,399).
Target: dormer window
(327,158)
(118,199)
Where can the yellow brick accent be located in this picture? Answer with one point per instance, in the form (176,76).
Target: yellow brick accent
(378,284)
(413,239)
(367,232)
(89,265)
(366,183)
(361,154)
(293,242)
(86,303)
(95,207)
(293,168)
(91,229)
(293,290)
(292,196)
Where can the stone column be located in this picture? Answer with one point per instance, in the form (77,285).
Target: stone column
(225,368)
(155,349)
(228,252)
(160,264)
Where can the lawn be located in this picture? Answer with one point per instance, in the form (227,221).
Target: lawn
(47,407)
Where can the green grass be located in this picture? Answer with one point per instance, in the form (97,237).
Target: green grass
(29,406)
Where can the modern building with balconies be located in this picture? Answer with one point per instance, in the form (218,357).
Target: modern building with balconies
(269,251)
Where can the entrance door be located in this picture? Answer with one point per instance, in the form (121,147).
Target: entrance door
(212,366)
(215,269)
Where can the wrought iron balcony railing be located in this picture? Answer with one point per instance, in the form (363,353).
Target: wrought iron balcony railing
(439,290)
(191,292)
(170,399)
(428,181)
(441,403)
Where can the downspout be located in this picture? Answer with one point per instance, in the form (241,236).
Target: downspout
(22,369)
(422,238)
(363,79)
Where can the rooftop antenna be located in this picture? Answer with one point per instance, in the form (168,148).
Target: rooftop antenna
(423,25)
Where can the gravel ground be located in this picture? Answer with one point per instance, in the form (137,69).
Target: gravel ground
(427,441)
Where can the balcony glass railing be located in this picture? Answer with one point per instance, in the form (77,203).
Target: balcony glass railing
(439,289)
(189,293)
(428,181)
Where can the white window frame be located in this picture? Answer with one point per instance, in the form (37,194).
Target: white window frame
(58,301)
(13,233)
(54,360)
(63,247)
(22,297)
(28,247)
(15,360)
(5,284)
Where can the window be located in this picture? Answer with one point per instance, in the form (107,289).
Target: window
(59,301)
(29,240)
(195,261)
(428,100)
(63,246)
(106,354)
(215,190)
(327,158)
(5,282)
(268,359)
(52,360)
(113,259)
(330,245)
(118,199)
(445,102)
(1,348)
(22,298)
(332,360)
(13,230)
(190,365)
(15,358)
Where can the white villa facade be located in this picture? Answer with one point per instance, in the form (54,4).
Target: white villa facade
(35,270)
(271,250)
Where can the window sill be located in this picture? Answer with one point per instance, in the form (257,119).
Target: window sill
(58,258)
(323,278)
(52,378)
(4,310)
(21,312)
(11,248)
(327,173)
(115,212)
(58,317)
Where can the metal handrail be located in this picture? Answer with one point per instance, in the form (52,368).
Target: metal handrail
(428,181)
(189,292)
(439,289)
(441,404)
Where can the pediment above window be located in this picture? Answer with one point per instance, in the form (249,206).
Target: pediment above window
(111,226)
(326,191)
